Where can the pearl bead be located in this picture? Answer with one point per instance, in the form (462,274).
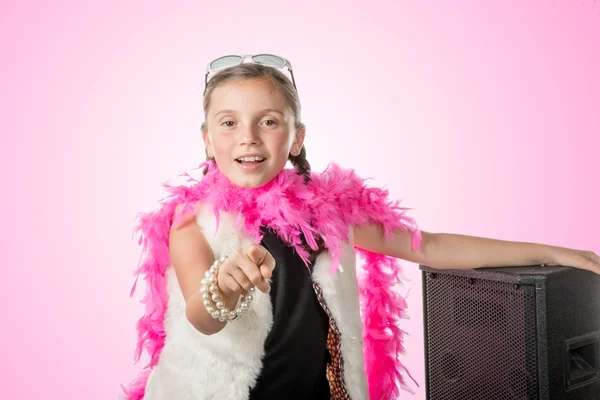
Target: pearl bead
(210,290)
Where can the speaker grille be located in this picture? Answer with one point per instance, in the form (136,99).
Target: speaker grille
(481,339)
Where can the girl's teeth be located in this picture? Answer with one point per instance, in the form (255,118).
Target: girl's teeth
(251,159)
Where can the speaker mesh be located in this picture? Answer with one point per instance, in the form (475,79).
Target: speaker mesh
(481,339)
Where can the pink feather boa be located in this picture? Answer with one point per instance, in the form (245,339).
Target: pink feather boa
(328,205)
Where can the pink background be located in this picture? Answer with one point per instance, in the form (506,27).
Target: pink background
(483,116)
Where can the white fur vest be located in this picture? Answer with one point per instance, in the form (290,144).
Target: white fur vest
(224,366)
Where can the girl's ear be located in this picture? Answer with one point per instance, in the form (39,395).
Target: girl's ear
(298,141)
(207,144)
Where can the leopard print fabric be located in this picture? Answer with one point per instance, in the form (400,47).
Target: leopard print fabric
(335,368)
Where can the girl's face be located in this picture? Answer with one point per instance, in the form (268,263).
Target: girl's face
(250,131)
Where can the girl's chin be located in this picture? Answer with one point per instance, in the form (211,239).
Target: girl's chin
(250,181)
(253,184)
(250,176)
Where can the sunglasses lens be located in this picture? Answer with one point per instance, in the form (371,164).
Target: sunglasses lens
(269,59)
(226,61)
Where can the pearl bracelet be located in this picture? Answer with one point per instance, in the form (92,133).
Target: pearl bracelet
(210,291)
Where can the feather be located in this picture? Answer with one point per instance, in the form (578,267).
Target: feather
(327,206)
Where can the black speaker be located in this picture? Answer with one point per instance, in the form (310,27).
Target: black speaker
(512,333)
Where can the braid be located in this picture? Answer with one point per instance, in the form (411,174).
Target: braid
(301,164)
(205,170)
(303,169)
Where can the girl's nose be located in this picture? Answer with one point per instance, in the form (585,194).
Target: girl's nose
(249,135)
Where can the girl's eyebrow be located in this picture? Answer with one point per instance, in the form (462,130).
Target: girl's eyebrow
(266,110)
(224,112)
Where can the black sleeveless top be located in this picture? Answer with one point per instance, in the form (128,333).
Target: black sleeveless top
(294,366)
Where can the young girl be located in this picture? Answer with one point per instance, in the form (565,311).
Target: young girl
(253,286)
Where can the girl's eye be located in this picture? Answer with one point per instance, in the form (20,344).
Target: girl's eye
(269,122)
(226,123)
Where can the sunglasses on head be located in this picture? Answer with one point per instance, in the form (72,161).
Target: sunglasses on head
(228,61)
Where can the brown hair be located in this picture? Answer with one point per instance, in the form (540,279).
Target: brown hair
(287,89)
(279,81)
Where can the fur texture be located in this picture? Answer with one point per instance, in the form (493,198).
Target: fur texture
(194,366)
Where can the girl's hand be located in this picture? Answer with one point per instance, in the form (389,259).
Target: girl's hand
(248,267)
(578,259)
